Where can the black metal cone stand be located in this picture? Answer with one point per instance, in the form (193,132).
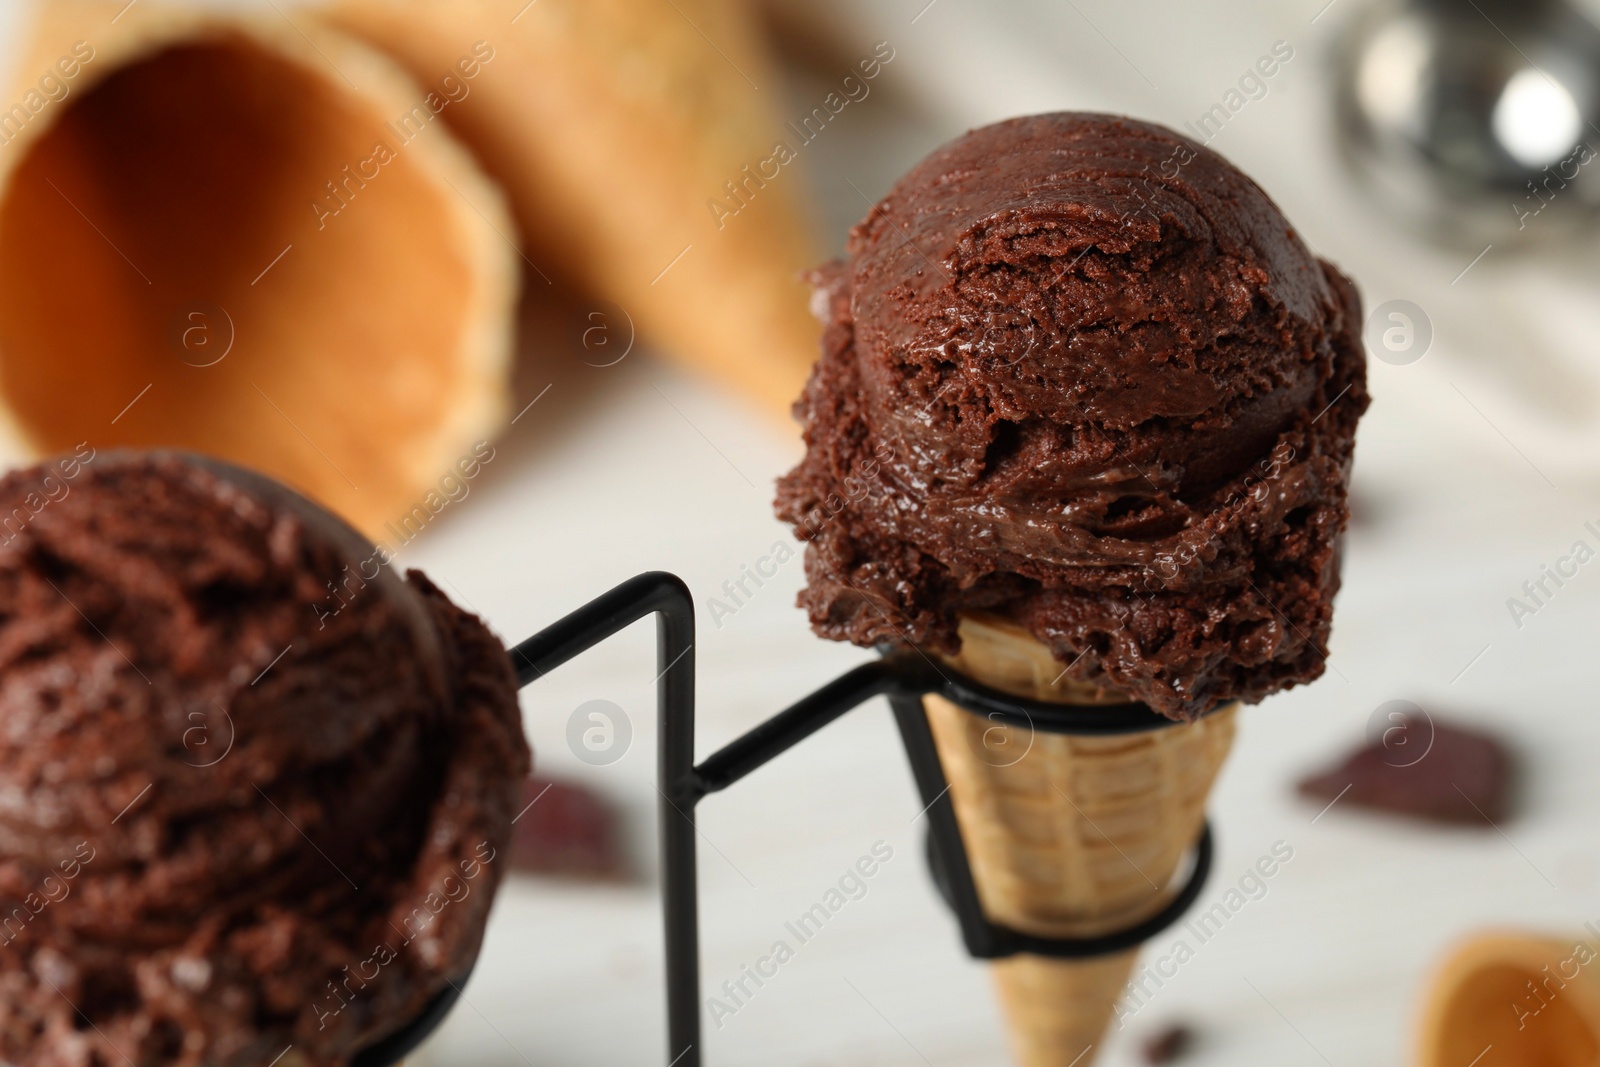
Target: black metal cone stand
(904,677)
(664,595)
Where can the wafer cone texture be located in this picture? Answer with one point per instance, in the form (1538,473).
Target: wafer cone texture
(1506,998)
(1067,836)
(202,246)
(614,127)
(260,235)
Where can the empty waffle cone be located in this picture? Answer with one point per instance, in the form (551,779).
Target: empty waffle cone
(1067,836)
(636,140)
(211,239)
(1507,999)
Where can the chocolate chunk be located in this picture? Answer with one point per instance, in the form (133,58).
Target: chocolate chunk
(1435,771)
(568,832)
(1166,1045)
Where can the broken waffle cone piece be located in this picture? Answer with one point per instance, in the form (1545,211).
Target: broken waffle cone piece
(1510,999)
(1067,836)
(210,238)
(635,142)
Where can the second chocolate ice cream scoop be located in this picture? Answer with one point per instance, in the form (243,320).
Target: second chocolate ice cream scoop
(255,787)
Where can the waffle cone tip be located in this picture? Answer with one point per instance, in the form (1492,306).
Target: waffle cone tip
(1067,836)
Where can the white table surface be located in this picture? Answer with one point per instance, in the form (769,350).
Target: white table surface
(1475,465)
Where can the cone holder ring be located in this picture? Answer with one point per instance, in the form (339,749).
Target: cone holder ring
(902,676)
(985,939)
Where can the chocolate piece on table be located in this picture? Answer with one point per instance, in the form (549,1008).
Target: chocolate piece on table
(1463,777)
(1168,1044)
(566,830)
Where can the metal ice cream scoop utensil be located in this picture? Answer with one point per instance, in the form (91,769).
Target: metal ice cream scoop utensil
(1474,120)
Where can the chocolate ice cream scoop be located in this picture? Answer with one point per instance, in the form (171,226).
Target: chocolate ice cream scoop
(255,787)
(1081,374)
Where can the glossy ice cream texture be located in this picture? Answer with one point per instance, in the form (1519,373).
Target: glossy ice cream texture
(254,786)
(1080,374)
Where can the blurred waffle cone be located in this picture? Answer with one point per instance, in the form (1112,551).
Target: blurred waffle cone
(615,127)
(1509,999)
(1067,836)
(210,238)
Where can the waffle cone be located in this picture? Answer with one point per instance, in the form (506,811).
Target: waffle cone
(615,127)
(1507,999)
(1067,836)
(177,269)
